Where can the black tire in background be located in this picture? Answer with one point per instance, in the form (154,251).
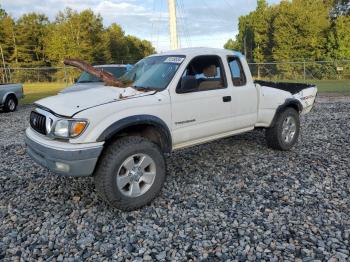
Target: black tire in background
(276,135)
(112,162)
(10,104)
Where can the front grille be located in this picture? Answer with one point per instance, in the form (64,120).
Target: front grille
(38,122)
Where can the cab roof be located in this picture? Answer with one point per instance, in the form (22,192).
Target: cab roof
(195,51)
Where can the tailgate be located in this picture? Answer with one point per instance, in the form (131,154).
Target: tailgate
(307,98)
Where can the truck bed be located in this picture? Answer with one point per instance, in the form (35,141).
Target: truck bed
(293,88)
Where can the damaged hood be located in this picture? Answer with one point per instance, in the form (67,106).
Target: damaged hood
(67,104)
(81,86)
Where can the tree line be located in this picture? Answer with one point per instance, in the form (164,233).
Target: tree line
(296,30)
(33,40)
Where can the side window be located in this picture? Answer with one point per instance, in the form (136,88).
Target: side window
(202,74)
(237,72)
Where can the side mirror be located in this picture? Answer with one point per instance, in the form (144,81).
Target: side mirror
(188,84)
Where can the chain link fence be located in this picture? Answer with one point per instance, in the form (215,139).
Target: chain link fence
(302,71)
(39,75)
(277,71)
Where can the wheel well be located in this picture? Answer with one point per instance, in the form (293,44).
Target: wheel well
(13,96)
(151,132)
(288,104)
(294,106)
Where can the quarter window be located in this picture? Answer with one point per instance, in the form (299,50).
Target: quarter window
(237,73)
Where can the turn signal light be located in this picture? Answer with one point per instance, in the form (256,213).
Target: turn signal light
(77,128)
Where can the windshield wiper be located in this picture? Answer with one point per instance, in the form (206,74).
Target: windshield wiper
(145,88)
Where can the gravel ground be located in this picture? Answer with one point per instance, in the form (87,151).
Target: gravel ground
(233,199)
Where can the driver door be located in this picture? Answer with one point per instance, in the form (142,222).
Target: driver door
(206,110)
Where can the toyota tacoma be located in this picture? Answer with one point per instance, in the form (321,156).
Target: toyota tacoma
(175,99)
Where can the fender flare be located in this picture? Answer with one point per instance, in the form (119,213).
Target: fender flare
(6,95)
(130,121)
(290,102)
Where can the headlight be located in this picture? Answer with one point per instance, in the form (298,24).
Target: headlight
(62,128)
(69,128)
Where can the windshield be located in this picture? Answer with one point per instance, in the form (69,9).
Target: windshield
(85,77)
(154,72)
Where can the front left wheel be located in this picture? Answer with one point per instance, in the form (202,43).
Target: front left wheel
(131,173)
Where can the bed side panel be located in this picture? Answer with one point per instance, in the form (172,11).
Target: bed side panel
(307,98)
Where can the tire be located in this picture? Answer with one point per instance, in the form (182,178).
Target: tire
(280,136)
(117,175)
(10,104)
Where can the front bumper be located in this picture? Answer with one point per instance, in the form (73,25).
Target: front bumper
(61,157)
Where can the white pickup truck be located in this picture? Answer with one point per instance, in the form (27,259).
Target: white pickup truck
(177,99)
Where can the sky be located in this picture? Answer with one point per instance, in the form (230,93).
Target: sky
(200,22)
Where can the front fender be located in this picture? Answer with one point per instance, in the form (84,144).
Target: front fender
(130,121)
(5,96)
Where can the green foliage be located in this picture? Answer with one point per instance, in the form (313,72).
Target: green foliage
(254,31)
(76,35)
(231,44)
(115,42)
(296,30)
(300,30)
(124,49)
(137,48)
(2,12)
(30,32)
(34,41)
(7,27)
(339,38)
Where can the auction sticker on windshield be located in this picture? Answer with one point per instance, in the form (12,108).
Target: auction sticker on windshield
(174,59)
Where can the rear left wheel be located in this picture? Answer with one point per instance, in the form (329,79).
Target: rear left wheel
(285,132)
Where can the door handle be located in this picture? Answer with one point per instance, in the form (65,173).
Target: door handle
(226,98)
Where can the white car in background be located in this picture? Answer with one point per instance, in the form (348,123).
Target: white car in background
(177,99)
